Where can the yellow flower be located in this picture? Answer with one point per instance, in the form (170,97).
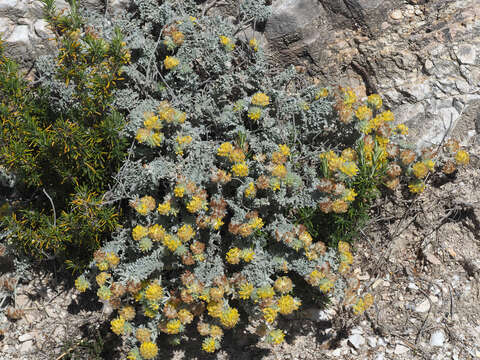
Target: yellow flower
(148,350)
(236,156)
(321,93)
(402,129)
(245,291)
(349,97)
(82,284)
(420,170)
(349,154)
(225,149)
(112,259)
(171,242)
(287,304)
(387,116)
(417,187)
(139,232)
(227,42)
(349,195)
(284,149)
(186,233)
(275,185)
(102,277)
(209,345)
(184,140)
(430,164)
(143,335)
(265,292)
(185,316)
(250,191)
(104,293)
(178,191)
(315,276)
(154,292)
(127,312)
(276,336)
(363,113)
(218,223)
(229,317)
(260,99)
(269,314)
(279,171)
(156,232)
(254,113)
(196,204)
(216,331)
(174,326)
(170,62)
(117,325)
(375,100)
(326,285)
(214,309)
(343,246)
(283,284)
(233,255)
(164,208)
(339,206)
(462,157)
(253,44)
(349,168)
(247,255)
(256,223)
(240,169)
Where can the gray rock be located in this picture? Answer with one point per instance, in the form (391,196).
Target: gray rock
(25,337)
(356,340)
(423,307)
(401,349)
(437,338)
(372,341)
(27,347)
(466,54)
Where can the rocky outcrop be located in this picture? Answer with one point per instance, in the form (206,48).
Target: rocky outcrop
(27,35)
(423,57)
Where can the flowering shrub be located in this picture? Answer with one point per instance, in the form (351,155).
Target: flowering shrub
(230,182)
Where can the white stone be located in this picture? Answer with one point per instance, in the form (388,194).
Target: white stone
(372,341)
(424,306)
(26,347)
(6,27)
(401,349)
(437,338)
(41,29)
(25,337)
(466,54)
(380,356)
(396,14)
(6,5)
(356,340)
(19,35)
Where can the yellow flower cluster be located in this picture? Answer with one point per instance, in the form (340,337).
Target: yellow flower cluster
(117,325)
(269,314)
(170,62)
(253,44)
(227,42)
(144,205)
(82,284)
(245,290)
(276,336)
(148,350)
(287,304)
(240,169)
(139,232)
(186,233)
(462,158)
(229,317)
(196,204)
(210,344)
(260,99)
(154,292)
(363,304)
(250,191)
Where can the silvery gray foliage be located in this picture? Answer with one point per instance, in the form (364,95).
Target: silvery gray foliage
(213,85)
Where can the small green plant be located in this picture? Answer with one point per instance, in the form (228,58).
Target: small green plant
(61,140)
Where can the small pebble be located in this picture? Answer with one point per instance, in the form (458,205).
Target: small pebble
(437,338)
(396,15)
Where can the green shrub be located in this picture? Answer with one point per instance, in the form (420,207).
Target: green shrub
(60,138)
